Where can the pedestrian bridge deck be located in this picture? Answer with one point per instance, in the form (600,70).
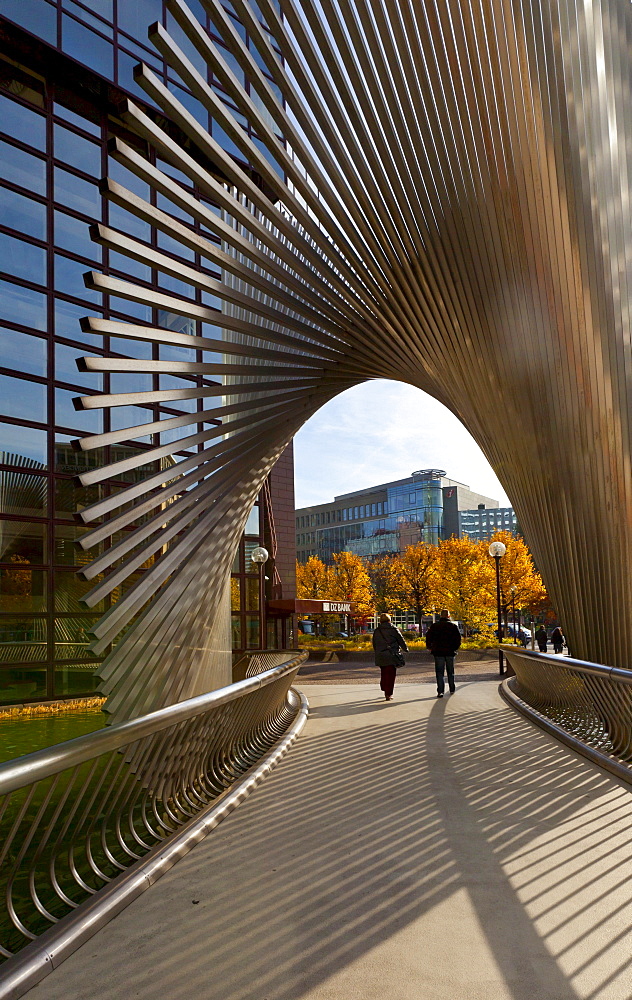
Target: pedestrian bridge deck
(427,849)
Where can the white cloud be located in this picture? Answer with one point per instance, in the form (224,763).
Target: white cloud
(380,431)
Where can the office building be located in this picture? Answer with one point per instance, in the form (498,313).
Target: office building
(66,71)
(481,523)
(384,519)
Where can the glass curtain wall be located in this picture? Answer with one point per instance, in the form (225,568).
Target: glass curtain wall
(54,131)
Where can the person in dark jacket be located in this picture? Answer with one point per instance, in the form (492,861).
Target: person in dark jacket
(540,638)
(387,642)
(558,640)
(443,639)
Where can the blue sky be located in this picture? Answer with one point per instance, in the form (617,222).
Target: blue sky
(380,431)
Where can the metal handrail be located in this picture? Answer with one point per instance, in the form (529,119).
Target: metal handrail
(586,705)
(76,817)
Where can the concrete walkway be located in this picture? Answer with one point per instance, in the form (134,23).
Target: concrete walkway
(422,849)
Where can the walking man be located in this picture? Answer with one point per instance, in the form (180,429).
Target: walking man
(443,639)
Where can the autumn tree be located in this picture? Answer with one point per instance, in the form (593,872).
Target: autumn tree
(413,579)
(382,580)
(313,580)
(351,582)
(517,571)
(464,578)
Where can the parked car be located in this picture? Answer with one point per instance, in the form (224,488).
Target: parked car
(519,631)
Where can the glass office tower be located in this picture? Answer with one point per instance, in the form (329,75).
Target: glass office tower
(385,519)
(65,73)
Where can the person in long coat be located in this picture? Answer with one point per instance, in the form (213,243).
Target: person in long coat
(541,639)
(387,642)
(558,640)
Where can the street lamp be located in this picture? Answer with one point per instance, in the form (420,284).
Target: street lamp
(497,551)
(259,555)
(513,614)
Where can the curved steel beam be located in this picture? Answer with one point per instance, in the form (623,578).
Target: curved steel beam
(445,200)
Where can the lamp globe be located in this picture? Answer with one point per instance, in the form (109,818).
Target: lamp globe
(259,555)
(497,549)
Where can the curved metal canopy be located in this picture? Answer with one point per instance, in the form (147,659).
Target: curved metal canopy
(439,193)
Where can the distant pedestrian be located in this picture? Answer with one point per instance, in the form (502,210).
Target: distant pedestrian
(388,642)
(443,639)
(558,640)
(541,639)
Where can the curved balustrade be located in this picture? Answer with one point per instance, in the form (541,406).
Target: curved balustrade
(586,705)
(76,817)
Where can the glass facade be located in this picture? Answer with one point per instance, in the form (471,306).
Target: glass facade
(409,512)
(54,132)
(479,525)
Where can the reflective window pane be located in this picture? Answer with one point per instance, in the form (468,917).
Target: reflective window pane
(68,459)
(72,637)
(69,280)
(76,193)
(23,542)
(22,353)
(74,235)
(23,260)
(67,316)
(70,116)
(79,152)
(66,415)
(252,524)
(22,168)
(105,9)
(252,632)
(129,267)
(180,324)
(122,417)
(22,399)
(66,368)
(131,348)
(22,684)
(22,492)
(22,214)
(173,246)
(129,224)
(134,17)
(75,679)
(37,16)
(235,625)
(128,308)
(252,594)
(87,47)
(22,588)
(22,640)
(127,179)
(19,443)
(70,498)
(21,122)
(65,552)
(69,589)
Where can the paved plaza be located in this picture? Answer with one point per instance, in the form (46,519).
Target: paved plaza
(422,849)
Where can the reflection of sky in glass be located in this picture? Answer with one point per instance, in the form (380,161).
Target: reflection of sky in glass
(23,441)
(22,399)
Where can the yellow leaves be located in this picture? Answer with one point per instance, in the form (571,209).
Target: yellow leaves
(517,571)
(464,581)
(351,582)
(458,574)
(313,580)
(413,579)
(346,580)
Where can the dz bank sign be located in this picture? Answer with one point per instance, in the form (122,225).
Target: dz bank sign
(342,606)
